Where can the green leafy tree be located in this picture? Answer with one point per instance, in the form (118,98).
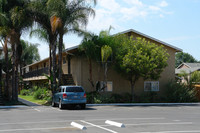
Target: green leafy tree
(182,57)
(30,53)
(138,58)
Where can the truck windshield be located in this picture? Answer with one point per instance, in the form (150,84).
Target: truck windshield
(74,89)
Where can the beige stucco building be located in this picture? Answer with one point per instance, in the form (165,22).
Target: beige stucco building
(77,68)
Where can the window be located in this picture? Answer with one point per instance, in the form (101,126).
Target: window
(109,87)
(74,89)
(151,86)
(60,89)
(45,64)
(64,60)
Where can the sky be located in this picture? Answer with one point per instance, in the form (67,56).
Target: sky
(176,22)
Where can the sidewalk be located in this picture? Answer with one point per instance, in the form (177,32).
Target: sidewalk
(28,103)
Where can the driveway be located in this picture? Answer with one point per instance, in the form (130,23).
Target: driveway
(137,119)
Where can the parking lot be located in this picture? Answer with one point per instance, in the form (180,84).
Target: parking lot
(136,119)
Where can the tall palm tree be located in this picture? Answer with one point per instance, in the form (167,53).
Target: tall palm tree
(39,12)
(16,22)
(69,16)
(4,42)
(90,47)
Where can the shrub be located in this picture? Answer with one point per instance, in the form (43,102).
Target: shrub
(25,92)
(96,97)
(42,93)
(177,92)
(147,97)
(39,94)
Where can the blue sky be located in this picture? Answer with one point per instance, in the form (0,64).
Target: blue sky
(176,22)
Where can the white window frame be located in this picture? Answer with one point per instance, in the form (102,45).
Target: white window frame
(109,83)
(106,89)
(152,84)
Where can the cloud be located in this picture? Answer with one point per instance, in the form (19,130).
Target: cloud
(154,8)
(110,5)
(163,4)
(134,2)
(114,12)
(130,13)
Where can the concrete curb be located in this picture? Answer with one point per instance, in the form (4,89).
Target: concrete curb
(28,103)
(11,107)
(146,104)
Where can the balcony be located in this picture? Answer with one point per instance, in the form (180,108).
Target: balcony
(36,73)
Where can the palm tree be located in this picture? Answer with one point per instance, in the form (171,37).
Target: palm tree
(39,12)
(16,22)
(90,47)
(4,42)
(69,16)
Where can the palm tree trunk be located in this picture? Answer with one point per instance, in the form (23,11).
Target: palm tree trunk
(20,75)
(0,80)
(13,71)
(60,58)
(54,66)
(6,88)
(50,65)
(90,72)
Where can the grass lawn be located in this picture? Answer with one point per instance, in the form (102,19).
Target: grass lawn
(31,99)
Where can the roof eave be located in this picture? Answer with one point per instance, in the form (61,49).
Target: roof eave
(142,34)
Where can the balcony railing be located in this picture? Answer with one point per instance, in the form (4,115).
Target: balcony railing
(36,73)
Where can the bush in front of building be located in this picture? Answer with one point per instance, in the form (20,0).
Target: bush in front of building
(147,97)
(178,92)
(104,97)
(25,92)
(41,93)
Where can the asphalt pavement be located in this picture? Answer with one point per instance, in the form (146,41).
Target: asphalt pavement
(136,119)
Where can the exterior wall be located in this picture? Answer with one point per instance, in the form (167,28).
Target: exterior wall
(120,84)
(76,69)
(80,73)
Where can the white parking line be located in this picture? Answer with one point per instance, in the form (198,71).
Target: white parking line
(56,109)
(99,126)
(37,110)
(191,131)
